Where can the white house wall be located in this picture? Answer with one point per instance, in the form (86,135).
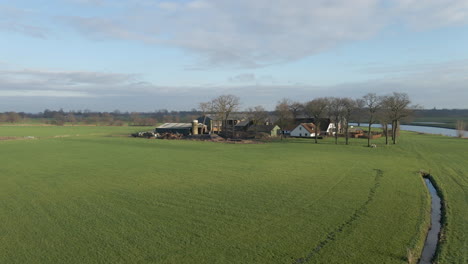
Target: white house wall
(300,131)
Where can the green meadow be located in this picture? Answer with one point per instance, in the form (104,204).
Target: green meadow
(94,195)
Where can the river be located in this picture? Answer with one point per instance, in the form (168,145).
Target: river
(422,129)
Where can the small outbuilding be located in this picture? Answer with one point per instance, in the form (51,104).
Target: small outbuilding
(185,129)
(355,132)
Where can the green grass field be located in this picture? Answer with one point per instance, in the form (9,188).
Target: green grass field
(91,195)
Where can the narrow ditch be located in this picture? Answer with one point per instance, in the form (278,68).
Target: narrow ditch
(432,239)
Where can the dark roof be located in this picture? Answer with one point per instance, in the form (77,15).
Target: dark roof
(179,128)
(206,118)
(289,127)
(243,123)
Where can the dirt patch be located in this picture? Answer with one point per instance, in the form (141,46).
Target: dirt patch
(8,138)
(16,138)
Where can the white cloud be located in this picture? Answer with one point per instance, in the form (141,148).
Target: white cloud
(255,33)
(433,13)
(441,85)
(243,78)
(19,21)
(65,77)
(242,33)
(42,93)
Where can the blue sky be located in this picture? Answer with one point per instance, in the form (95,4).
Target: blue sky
(144,55)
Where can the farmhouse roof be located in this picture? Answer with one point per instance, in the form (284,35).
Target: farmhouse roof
(243,123)
(309,127)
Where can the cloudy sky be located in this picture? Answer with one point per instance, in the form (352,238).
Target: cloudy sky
(144,55)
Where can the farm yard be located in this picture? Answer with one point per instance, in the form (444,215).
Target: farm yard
(95,195)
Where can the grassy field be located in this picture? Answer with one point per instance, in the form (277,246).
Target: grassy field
(91,195)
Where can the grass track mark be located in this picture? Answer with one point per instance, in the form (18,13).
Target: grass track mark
(360,211)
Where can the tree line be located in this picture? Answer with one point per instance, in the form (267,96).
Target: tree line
(87,117)
(387,110)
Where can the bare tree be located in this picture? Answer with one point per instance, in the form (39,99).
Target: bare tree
(107,118)
(383,115)
(93,119)
(360,111)
(284,114)
(296,109)
(349,107)
(58,119)
(224,105)
(397,106)
(372,104)
(257,114)
(335,111)
(135,118)
(317,109)
(460,128)
(13,117)
(71,118)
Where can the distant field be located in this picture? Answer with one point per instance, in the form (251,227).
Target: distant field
(93,195)
(41,130)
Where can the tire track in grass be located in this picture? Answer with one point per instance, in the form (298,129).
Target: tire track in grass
(297,211)
(355,216)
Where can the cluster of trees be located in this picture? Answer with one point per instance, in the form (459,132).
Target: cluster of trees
(372,109)
(222,106)
(10,117)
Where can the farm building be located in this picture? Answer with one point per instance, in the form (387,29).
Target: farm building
(243,125)
(214,124)
(326,126)
(304,130)
(271,130)
(355,132)
(193,128)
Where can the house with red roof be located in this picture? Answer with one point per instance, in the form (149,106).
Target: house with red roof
(304,130)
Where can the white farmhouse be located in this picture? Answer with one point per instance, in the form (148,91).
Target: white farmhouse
(304,130)
(331,129)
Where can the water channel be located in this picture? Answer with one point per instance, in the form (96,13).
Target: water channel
(430,246)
